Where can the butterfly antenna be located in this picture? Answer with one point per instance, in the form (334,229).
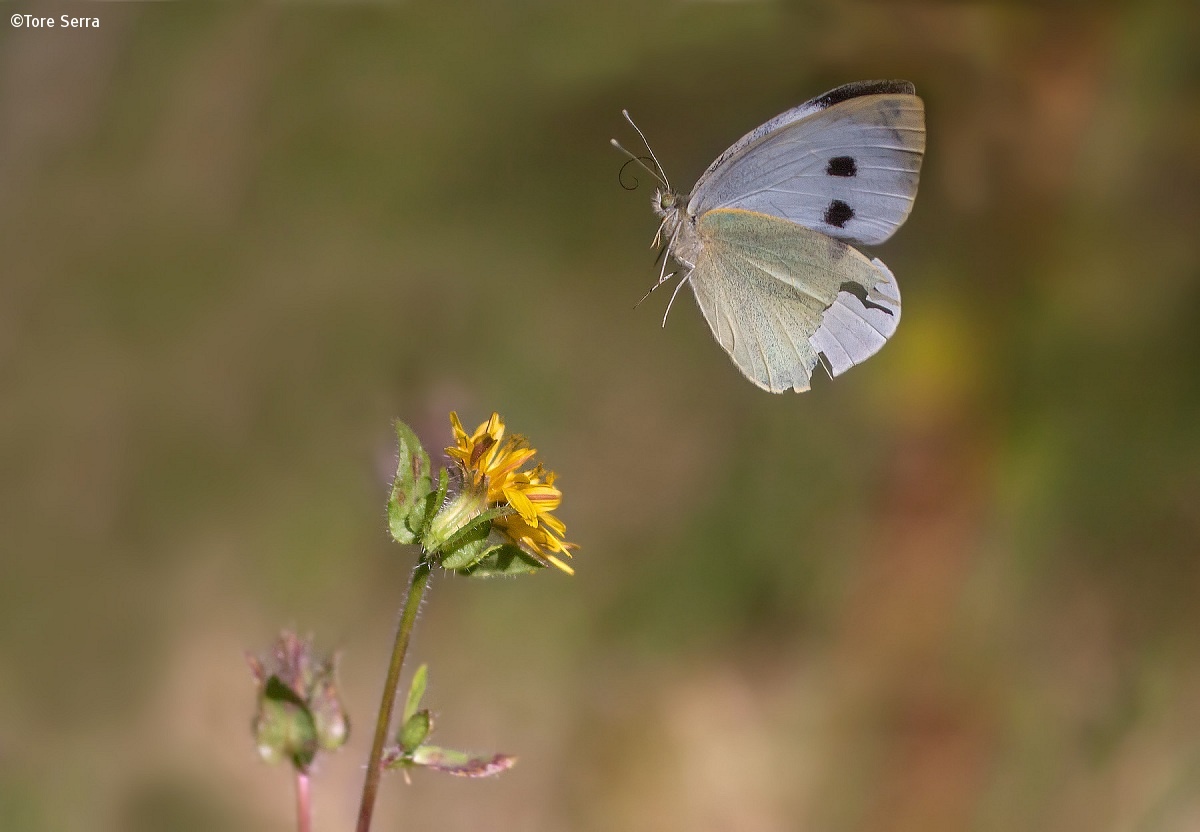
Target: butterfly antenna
(649,149)
(640,163)
(678,286)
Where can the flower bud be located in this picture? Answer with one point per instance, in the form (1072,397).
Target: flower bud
(299,711)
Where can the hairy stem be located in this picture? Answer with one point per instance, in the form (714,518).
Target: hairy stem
(416,590)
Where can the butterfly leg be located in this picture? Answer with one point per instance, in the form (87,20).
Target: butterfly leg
(651,290)
(666,256)
(657,241)
(678,286)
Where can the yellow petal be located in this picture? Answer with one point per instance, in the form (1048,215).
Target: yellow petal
(559,564)
(520,502)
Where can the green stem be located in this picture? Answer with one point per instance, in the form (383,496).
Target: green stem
(416,589)
(303,802)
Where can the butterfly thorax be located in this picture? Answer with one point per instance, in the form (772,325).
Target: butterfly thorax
(678,228)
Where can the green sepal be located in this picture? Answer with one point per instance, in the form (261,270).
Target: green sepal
(414,731)
(416,690)
(328,715)
(459,763)
(470,543)
(467,546)
(413,483)
(284,727)
(439,496)
(505,559)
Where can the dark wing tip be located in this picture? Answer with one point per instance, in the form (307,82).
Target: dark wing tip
(861,88)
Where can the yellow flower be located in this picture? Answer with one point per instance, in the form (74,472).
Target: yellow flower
(489,462)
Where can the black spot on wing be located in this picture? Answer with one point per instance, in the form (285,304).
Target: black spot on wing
(838,214)
(861,88)
(859,291)
(842,166)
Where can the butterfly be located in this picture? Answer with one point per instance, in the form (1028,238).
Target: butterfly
(764,237)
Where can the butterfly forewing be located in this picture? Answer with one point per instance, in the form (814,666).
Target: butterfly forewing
(845,163)
(776,295)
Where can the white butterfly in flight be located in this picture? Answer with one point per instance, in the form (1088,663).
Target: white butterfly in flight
(764,237)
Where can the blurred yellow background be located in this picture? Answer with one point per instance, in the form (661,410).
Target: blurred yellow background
(954,589)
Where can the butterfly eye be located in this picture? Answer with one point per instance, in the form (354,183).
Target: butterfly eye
(666,200)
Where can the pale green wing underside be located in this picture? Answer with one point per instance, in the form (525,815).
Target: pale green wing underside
(776,295)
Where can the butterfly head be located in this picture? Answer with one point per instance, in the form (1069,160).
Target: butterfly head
(677,230)
(665,202)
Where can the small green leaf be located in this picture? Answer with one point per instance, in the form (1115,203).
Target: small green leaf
(398,523)
(460,763)
(414,731)
(506,559)
(412,484)
(416,691)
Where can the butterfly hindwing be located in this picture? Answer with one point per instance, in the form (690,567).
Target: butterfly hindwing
(777,296)
(845,163)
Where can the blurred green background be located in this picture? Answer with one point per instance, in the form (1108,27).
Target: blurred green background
(953,590)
